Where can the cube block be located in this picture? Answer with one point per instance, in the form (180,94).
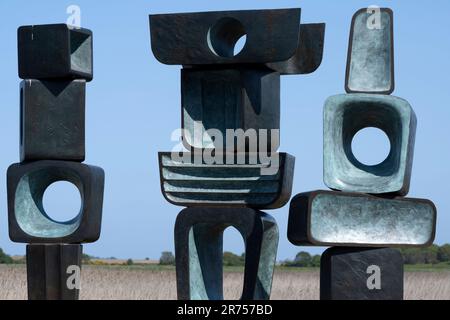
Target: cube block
(52,120)
(55,51)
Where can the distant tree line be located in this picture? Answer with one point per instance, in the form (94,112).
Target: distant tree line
(412,256)
(432,255)
(303,260)
(229,259)
(4,258)
(167,259)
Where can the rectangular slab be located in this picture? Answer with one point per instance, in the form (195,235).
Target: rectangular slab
(53,271)
(194,184)
(203,38)
(361,274)
(324,218)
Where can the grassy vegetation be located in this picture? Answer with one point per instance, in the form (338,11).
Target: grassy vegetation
(439,267)
(154,283)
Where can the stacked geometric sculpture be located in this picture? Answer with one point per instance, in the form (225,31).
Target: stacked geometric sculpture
(225,92)
(367,210)
(55,62)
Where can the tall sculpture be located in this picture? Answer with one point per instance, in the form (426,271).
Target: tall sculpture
(237,95)
(55,62)
(367,214)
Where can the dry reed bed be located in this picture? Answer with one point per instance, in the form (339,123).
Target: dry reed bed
(122,283)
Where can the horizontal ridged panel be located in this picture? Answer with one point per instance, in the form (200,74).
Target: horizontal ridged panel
(218,198)
(196,184)
(221,186)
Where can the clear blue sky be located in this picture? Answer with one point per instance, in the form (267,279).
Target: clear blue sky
(133,105)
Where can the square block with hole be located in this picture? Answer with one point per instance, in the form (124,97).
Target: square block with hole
(52,120)
(214,101)
(199,251)
(28,220)
(344,117)
(55,51)
(361,274)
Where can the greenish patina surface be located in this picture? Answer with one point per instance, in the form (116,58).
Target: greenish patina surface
(330,218)
(199,252)
(347,219)
(190,184)
(346,115)
(29,211)
(370,66)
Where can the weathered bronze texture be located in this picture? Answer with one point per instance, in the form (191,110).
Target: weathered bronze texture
(28,221)
(49,271)
(207,38)
(370,64)
(308,56)
(361,274)
(192,184)
(55,51)
(219,100)
(55,62)
(326,218)
(52,120)
(199,252)
(346,115)
(230,93)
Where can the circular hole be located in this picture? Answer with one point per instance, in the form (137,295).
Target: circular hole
(371,146)
(62,201)
(227,38)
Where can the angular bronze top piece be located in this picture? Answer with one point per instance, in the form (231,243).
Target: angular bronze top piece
(210,37)
(55,51)
(370,64)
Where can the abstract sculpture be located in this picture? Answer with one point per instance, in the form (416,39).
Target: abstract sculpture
(379,219)
(225,91)
(55,62)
